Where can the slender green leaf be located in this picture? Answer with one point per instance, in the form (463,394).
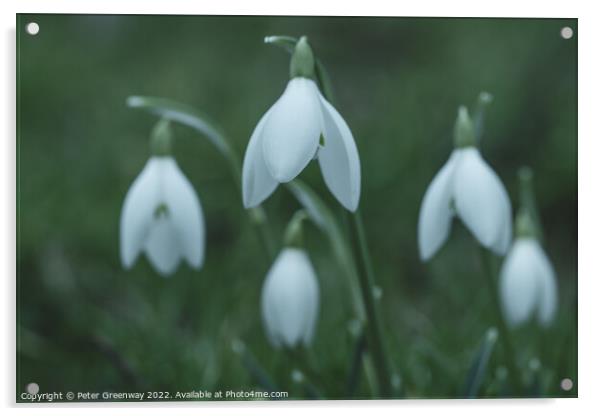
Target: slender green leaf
(189,116)
(356,365)
(480,363)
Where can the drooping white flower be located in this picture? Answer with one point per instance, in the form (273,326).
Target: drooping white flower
(528,284)
(162,216)
(468,187)
(288,136)
(290,299)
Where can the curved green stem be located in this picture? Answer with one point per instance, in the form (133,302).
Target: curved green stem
(191,117)
(373,324)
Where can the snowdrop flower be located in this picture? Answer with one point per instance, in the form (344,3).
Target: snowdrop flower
(466,186)
(528,284)
(527,279)
(299,127)
(161,214)
(290,295)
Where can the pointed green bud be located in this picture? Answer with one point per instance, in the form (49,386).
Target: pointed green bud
(464,135)
(302,62)
(293,235)
(161,139)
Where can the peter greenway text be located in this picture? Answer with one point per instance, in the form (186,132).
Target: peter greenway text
(154,395)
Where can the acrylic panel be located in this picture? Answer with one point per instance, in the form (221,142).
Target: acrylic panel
(290,208)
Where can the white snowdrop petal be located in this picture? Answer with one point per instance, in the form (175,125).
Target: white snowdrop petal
(291,132)
(548,296)
(270,315)
(519,282)
(137,213)
(339,159)
(436,214)
(257,182)
(290,299)
(185,212)
(481,201)
(163,246)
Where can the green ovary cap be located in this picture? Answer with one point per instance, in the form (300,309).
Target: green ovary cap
(524,226)
(464,133)
(302,61)
(161,139)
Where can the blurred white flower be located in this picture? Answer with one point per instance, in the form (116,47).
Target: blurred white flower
(528,284)
(162,216)
(287,138)
(290,299)
(468,187)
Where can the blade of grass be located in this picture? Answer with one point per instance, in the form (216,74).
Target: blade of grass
(480,363)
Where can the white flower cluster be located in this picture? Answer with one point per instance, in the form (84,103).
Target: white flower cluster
(162,215)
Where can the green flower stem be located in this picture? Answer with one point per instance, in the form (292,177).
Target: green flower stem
(476,375)
(262,228)
(191,117)
(355,368)
(483,101)
(528,204)
(373,325)
(491,273)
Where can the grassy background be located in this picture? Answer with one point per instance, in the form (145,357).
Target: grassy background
(85,324)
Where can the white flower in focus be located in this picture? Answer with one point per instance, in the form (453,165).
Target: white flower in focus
(288,136)
(162,216)
(528,284)
(290,299)
(466,186)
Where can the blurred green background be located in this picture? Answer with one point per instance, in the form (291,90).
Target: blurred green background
(85,324)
